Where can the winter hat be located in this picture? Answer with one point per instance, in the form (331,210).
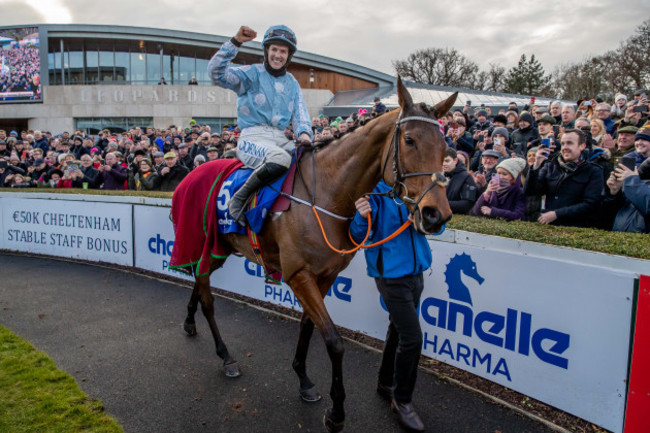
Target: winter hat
(501,130)
(500,118)
(159,141)
(644,132)
(526,117)
(514,166)
(482,113)
(620,96)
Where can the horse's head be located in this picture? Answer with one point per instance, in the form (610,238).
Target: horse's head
(418,150)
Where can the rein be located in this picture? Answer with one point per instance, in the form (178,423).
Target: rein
(437,178)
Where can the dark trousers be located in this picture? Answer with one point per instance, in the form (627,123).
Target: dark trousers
(399,363)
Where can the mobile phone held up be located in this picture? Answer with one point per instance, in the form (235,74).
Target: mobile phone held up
(628,162)
(546,142)
(495,179)
(640,109)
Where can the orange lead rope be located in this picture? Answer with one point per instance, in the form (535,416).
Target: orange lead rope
(361,245)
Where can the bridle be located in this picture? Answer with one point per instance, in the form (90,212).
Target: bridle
(437,178)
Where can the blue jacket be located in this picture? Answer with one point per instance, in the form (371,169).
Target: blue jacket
(262,99)
(407,254)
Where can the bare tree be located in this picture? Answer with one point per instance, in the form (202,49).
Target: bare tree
(443,67)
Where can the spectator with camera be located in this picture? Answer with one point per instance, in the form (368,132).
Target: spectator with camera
(112,174)
(571,184)
(458,137)
(171,173)
(628,194)
(461,188)
(85,174)
(482,123)
(8,170)
(524,135)
(503,197)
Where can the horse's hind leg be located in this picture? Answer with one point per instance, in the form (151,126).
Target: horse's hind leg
(207,306)
(308,391)
(190,325)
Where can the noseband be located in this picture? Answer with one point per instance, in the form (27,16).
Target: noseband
(437,178)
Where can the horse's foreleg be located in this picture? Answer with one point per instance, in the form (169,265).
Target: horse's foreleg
(308,391)
(207,306)
(190,325)
(306,290)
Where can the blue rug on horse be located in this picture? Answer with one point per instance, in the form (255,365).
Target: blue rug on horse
(265,199)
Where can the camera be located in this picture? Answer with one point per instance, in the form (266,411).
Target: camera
(587,103)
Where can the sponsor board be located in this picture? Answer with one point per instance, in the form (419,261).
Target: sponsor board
(75,229)
(154,240)
(556,331)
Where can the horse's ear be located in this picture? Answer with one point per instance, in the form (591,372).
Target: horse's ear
(403,95)
(443,107)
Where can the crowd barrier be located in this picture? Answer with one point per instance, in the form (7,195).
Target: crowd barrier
(553,323)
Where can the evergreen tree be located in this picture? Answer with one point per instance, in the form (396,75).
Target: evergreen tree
(527,78)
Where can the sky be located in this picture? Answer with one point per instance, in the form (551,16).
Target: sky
(374,33)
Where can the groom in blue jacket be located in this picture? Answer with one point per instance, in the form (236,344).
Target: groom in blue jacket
(397,268)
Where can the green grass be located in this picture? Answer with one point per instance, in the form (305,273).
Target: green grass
(35,396)
(624,244)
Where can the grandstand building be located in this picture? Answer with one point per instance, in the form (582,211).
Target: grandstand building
(93,77)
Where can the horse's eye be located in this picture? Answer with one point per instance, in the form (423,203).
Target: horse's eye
(409,141)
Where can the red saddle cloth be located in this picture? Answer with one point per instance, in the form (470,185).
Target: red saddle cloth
(194,216)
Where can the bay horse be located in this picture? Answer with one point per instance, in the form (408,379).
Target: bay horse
(406,148)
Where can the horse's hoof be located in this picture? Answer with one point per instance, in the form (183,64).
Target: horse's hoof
(310,395)
(331,425)
(190,328)
(232,370)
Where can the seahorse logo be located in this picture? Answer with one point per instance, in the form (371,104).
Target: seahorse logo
(461,263)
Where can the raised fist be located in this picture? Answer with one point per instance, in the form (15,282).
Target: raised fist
(245,34)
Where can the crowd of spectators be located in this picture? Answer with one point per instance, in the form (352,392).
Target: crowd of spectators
(583,164)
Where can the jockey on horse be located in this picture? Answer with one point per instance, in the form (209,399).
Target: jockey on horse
(268,100)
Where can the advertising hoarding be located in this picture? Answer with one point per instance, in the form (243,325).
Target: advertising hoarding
(99,232)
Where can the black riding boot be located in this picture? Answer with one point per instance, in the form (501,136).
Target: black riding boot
(263,175)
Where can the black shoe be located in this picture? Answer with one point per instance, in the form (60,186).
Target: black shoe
(385,391)
(407,415)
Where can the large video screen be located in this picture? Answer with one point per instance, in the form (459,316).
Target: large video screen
(20,73)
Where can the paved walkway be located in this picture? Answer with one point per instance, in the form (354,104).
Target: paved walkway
(120,336)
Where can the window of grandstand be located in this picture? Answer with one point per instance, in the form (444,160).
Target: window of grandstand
(92,125)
